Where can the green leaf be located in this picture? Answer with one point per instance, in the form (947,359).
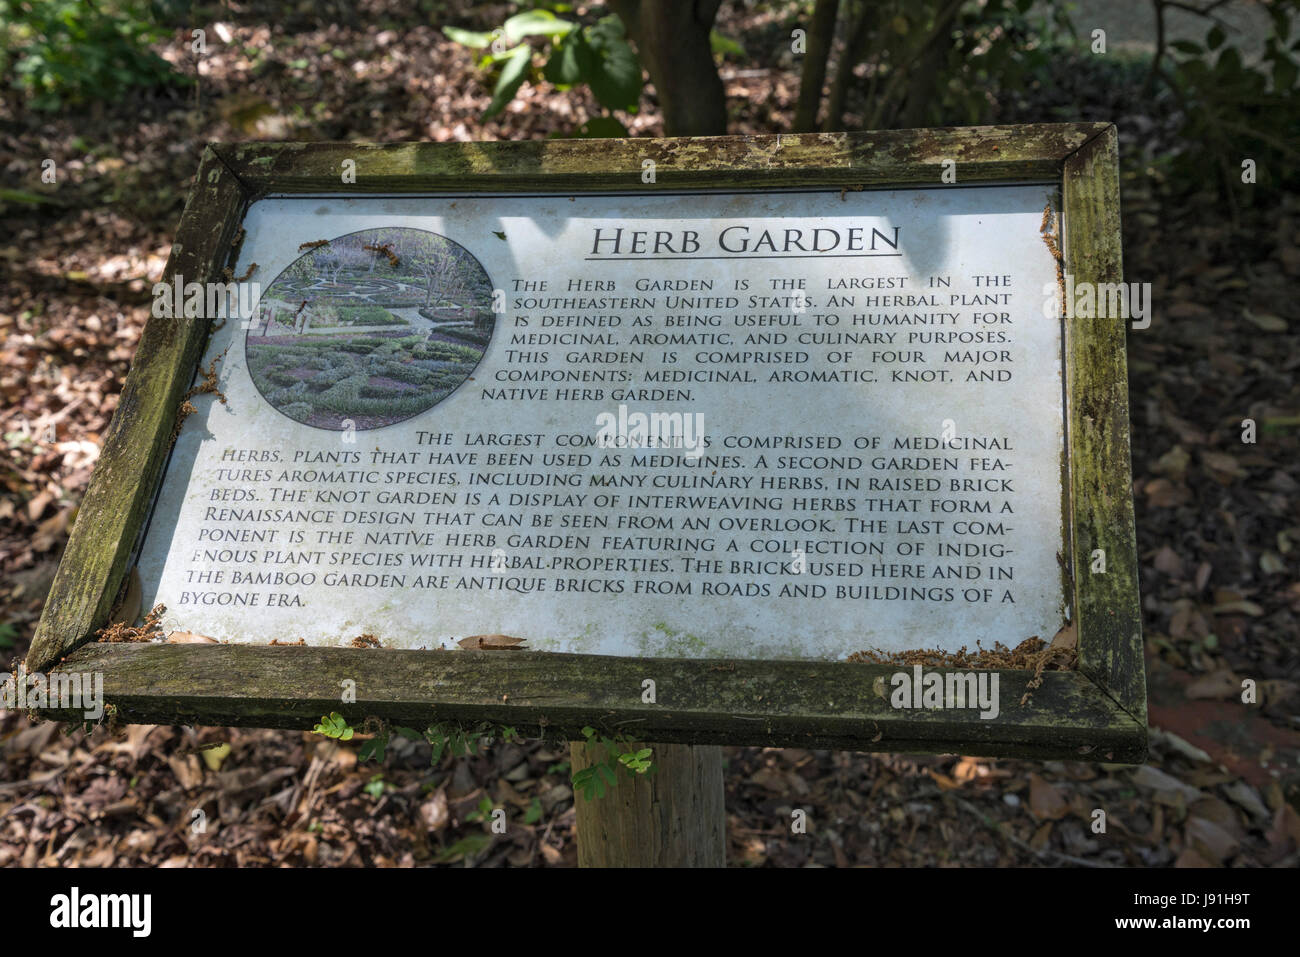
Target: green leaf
(534,812)
(512,78)
(374,748)
(587,782)
(334,725)
(468,38)
(467,846)
(532,23)
(1229,61)
(1214,39)
(438,741)
(22,196)
(1188,47)
(563,68)
(600,127)
(610,67)
(724,46)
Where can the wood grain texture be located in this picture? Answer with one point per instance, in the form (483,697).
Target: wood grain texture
(1107,604)
(893,157)
(771,703)
(673,817)
(114,509)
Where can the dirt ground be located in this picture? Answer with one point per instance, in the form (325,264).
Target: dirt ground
(1218,520)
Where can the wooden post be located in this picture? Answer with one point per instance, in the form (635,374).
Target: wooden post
(674,817)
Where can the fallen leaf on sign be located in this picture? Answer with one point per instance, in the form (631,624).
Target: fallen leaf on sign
(499,642)
(1066,638)
(189,638)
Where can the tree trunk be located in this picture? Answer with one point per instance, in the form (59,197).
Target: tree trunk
(859,30)
(820,34)
(673,816)
(672,39)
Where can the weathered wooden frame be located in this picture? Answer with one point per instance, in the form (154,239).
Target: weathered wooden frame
(1097,712)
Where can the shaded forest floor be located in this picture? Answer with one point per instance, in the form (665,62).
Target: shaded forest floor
(1218,520)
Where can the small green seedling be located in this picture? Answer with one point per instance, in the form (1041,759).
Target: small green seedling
(596,780)
(335,726)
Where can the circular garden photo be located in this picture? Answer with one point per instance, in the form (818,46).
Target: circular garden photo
(370,328)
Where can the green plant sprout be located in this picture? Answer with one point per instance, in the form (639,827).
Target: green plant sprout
(334,725)
(445,739)
(595,781)
(376,786)
(458,740)
(482,812)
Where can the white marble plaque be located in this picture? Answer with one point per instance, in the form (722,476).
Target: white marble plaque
(761,425)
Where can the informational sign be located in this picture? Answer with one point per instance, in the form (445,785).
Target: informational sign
(739,440)
(792,424)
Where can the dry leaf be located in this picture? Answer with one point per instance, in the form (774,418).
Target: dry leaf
(945,783)
(189,638)
(1223,468)
(1214,686)
(1162,493)
(1066,638)
(1210,840)
(51,530)
(128,609)
(1045,800)
(489,642)
(1169,563)
(1242,607)
(433,812)
(213,757)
